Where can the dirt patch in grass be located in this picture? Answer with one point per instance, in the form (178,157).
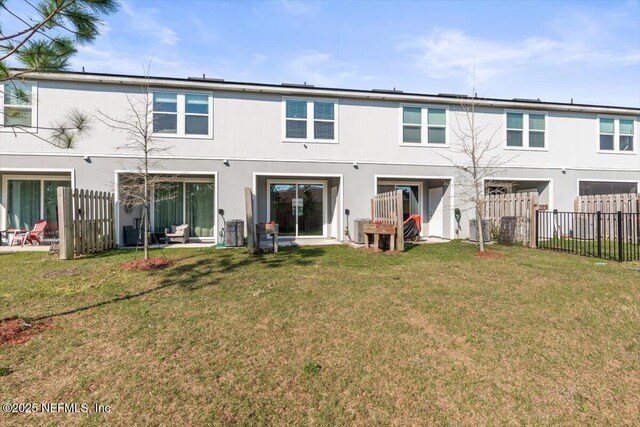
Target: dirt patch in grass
(147,264)
(17,331)
(67,272)
(488,254)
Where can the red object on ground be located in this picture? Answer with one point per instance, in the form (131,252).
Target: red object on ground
(418,221)
(147,264)
(33,235)
(16,331)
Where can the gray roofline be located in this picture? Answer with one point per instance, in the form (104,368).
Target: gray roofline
(284,88)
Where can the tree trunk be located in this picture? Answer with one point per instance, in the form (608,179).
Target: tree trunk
(480,229)
(145,230)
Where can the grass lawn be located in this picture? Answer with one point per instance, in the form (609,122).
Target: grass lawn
(327,336)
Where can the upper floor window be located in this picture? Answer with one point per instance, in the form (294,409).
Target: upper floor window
(428,124)
(526,130)
(307,120)
(616,134)
(18,105)
(182,114)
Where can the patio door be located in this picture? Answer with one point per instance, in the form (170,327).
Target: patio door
(187,202)
(298,208)
(411,197)
(28,199)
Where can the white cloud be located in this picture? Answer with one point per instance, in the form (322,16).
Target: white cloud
(319,68)
(144,21)
(452,52)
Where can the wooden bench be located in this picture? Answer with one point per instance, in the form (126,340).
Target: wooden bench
(378,230)
(267,229)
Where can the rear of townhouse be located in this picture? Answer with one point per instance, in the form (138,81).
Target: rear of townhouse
(309,154)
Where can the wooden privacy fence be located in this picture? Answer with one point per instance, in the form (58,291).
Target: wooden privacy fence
(86,222)
(625,203)
(522,206)
(609,204)
(386,208)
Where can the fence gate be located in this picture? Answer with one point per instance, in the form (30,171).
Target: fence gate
(86,222)
(520,205)
(607,235)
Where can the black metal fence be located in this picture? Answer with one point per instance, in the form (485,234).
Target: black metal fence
(611,236)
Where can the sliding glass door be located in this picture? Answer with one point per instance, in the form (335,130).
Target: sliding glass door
(29,200)
(23,204)
(199,208)
(192,203)
(298,208)
(410,197)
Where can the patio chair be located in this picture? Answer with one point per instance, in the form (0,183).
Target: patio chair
(177,233)
(33,235)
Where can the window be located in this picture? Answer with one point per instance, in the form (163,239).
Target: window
(616,134)
(182,114)
(30,198)
(595,188)
(185,202)
(427,124)
(526,130)
(18,104)
(626,135)
(310,120)
(165,112)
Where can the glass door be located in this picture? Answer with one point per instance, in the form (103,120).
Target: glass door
(310,207)
(410,197)
(23,203)
(298,208)
(410,204)
(199,208)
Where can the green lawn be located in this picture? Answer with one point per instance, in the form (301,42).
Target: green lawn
(327,336)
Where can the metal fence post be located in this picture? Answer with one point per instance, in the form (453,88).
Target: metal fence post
(537,225)
(599,231)
(620,242)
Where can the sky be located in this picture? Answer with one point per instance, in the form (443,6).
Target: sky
(552,50)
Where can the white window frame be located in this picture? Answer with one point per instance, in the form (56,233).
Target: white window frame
(616,134)
(182,114)
(302,181)
(526,130)
(184,181)
(626,181)
(34,110)
(424,125)
(26,177)
(401,183)
(310,120)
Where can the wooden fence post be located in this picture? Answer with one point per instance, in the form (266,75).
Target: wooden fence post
(65,222)
(399,223)
(248,201)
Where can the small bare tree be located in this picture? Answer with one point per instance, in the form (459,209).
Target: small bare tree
(476,155)
(135,188)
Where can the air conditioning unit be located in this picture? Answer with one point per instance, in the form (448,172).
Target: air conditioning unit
(358,235)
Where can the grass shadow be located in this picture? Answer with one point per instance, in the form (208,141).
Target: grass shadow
(200,273)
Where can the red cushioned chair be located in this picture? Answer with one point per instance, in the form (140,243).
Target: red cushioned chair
(33,235)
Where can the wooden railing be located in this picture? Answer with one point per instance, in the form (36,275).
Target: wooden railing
(386,208)
(86,222)
(520,205)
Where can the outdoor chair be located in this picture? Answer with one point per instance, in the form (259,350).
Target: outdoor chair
(177,233)
(33,235)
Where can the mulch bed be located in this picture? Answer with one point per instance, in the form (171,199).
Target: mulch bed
(17,331)
(488,254)
(147,264)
